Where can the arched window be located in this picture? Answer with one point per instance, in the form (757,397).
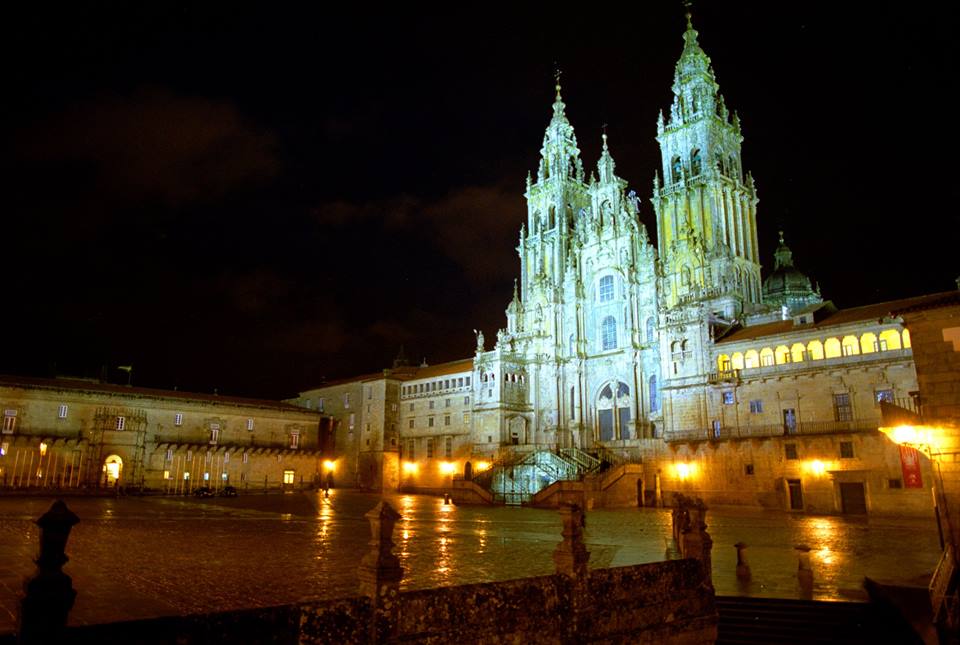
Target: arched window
(815,350)
(675,167)
(696,163)
(608,333)
(781,354)
(797,351)
(552,222)
(676,351)
(751,359)
(766,357)
(831,348)
(868,343)
(685,276)
(736,361)
(851,346)
(654,394)
(906,339)
(723,363)
(889,339)
(651,330)
(606,288)
(613,411)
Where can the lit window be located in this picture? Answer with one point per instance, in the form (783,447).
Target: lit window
(606,288)
(226,457)
(245,458)
(223,476)
(166,474)
(466,418)
(353,419)
(756,406)
(250,424)
(121,423)
(206,477)
(346,400)
(62,412)
(608,333)
(9,420)
(169,454)
(846,450)
(4,447)
(288,476)
(727,398)
(842,409)
(178,419)
(883,395)
(214,433)
(295,439)
(320,405)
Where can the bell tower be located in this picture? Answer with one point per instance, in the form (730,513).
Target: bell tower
(706,205)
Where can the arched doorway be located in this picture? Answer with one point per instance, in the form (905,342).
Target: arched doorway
(613,411)
(112,468)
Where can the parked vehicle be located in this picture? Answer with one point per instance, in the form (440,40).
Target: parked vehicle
(203,491)
(228,491)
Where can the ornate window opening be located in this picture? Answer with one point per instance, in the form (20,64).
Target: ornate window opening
(654,394)
(696,163)
(676,169)
(606,288)
(608,333)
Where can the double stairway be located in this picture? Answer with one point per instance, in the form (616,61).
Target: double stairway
(518,473)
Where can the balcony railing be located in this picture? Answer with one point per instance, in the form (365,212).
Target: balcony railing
(775,430)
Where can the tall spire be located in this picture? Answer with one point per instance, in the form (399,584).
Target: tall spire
(783,256)
(561,155)
(606,165)
(558,105)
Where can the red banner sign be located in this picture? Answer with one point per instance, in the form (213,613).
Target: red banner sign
(910,460)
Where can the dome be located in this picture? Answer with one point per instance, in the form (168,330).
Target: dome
(787,285)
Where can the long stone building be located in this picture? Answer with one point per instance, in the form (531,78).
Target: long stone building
(675,354)
(72,433)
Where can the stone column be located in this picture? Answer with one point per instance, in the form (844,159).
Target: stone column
(49,594)
(743,569)
(380,573)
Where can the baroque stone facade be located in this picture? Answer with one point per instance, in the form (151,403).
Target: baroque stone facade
(676,353)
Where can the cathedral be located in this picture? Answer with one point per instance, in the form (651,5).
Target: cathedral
(676,355)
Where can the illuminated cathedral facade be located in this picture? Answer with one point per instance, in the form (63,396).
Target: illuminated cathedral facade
(617,349)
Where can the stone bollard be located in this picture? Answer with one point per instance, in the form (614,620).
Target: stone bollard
(743,569)
(571,555)
(49,594)
(694,541)
(380,573)
(804,570)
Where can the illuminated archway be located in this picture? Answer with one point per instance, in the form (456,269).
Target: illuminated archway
(723,362)
(815,350)
(890,339)
(868,343)
(613,411)
(782,354)
(797,352)
(906,339)
(112,468)
(736,361)
(831,348)
(851,346)
(766,357)
(751,359)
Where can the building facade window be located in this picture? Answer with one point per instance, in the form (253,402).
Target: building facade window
(654,395)
(410,423)
(178,419)
(429,448)
(62,412)
(214,433)
(606,288)
(294,440)
(756,406)
(846,450)
(121,423)
(790,451)
(466,418)
(748,469)
(466,400)
(883,395)
(169,455)
(429,422)
(288,477)
(727,398)
(608,333)
(446,419)
(346,399)
(249,423)
(245,458)
(842,409)
(353,420)
(411,407)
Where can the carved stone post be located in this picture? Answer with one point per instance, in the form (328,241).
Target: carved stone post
(380,573)
(695,542)
(804,570)
(743,569)
(571,555)
(49,593)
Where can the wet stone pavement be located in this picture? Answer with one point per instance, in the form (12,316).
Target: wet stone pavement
(142,557)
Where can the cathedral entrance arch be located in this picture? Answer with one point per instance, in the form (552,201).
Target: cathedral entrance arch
(112,467)
(613,411)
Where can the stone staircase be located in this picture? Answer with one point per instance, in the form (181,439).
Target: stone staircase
(774,621)
(519,473)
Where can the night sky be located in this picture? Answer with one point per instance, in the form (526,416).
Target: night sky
(254,201)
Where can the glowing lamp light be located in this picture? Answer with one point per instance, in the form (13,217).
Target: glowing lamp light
(481,466)
(817,467)
(410,468)
(329,465)
(43,448)
(448,467)
(927,439)
(685,471)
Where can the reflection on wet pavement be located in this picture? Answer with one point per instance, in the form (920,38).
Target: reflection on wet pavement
(140,557)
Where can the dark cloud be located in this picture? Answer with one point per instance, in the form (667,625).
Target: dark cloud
(154,145)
